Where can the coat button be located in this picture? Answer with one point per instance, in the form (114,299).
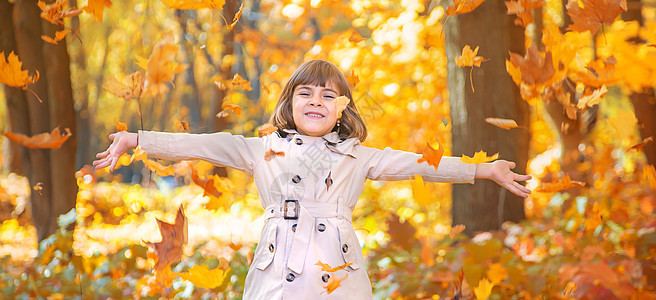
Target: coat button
(345,248)
(296,179)
(290,277)
(321,227)
(271,247)
(294,228)
(325,277)
(299,141)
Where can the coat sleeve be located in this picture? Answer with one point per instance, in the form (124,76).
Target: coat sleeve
(221,148)
(390,164)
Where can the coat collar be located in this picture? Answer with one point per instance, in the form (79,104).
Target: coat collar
(332,142)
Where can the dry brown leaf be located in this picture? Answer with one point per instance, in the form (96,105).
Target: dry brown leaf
(270,154)
(558,185)
(53,139)
(266,129)
(506,124)
(534,68)
(237,16)
(642,144)
(174,237)
(228,109)
(59,35)
(55,12)
(593,13)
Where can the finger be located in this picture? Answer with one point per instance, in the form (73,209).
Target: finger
(522,177)
(112,136)
(517,192)
(111,168)
(522,188)
(101,164)
(102,154)
(512,164)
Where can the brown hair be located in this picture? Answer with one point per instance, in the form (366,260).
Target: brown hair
(319,72)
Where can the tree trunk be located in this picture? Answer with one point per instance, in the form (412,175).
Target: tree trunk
(229,10)
(62,114)
(495,96)
(19,160)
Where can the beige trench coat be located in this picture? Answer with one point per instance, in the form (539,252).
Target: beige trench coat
(326,176)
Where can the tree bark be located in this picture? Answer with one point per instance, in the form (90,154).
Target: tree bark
(17,115)
(27,26)
(62,114)
(495,96)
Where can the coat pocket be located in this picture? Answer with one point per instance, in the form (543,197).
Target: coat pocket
(349,245)
(267,247)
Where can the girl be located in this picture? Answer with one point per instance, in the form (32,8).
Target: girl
(309,174)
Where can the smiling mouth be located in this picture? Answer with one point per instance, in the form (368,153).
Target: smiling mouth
(314,115)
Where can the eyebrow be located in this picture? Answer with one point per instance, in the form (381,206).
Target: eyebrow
(308,87)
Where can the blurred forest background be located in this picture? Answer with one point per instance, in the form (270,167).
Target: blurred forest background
(575,77)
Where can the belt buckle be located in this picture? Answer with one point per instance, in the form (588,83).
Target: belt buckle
(286,210)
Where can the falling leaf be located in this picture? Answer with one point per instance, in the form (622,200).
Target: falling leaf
(333,283)
(209,184)
(643,143)
(138,154)
(522,8)
(11,73)
(340,104)
(201,276)
(570,288)
(181,125)
(479,157)
(328,268)
(506,124)
(266,129)
(158,168)
(455,230)
(131,88)
(237,16)
(235,247)
(534,68)
(594,217)
(174,237)
(162,67)
(484,289)
(96,8)
(194,4)
(59,35)
(53,139)
(421,194)
(597,73)
(38,186)
(120,126)
(241,83)
(266,89)
(352,79)
(649,176)
(55,12)
(355,37)
(558,185)
(497,273)
(432,156)
(592,99)
(593,13)
(469,58)
(227,109)
(270,154)
(462,6)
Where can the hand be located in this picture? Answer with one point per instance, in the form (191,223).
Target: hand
(122,142)
(499,172)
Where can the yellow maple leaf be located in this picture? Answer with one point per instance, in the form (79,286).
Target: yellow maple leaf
(239,82)
(497,273)
(131,88)
(484,289)
(340,104)
(162,66)
(138,154)
(468,57)
(194,4)
(202,276)
(592,99)
(11,73)
(158,168)
(479,157)
(420,192)
(96,8)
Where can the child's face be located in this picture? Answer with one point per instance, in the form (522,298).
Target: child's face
(314,109)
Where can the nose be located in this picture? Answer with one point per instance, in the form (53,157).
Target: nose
(315,102)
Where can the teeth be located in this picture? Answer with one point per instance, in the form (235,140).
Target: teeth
(314,115)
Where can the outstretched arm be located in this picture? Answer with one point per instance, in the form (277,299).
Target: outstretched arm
(122,141)
(499,171)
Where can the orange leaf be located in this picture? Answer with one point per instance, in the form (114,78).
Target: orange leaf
(522,8)
(592,99)
(469,58)
(181,125)
(506,124)
(120,126)
(38,186)
(239,82)
(594,13)
(138,154)
(201,276)
(194,4)
(270,154)
(534,68)
(559,185)
(11,73)
(266,89)
(162,66)
(96,8)
(328,268)
(174,237)
(158,168)
(131,88)
(462,6)
(55,12)
(44,140)
(649,176)
(266,129)
(352,79)
(59,35)
(208,184)
(340,104)
(479,157)
(334,282)
(455,230)
(227,108)
(643,143)
(237,16)
(355,37)
(432,156)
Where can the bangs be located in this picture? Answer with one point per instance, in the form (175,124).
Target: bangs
(319,73)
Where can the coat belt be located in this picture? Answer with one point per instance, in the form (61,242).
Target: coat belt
(307,214)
